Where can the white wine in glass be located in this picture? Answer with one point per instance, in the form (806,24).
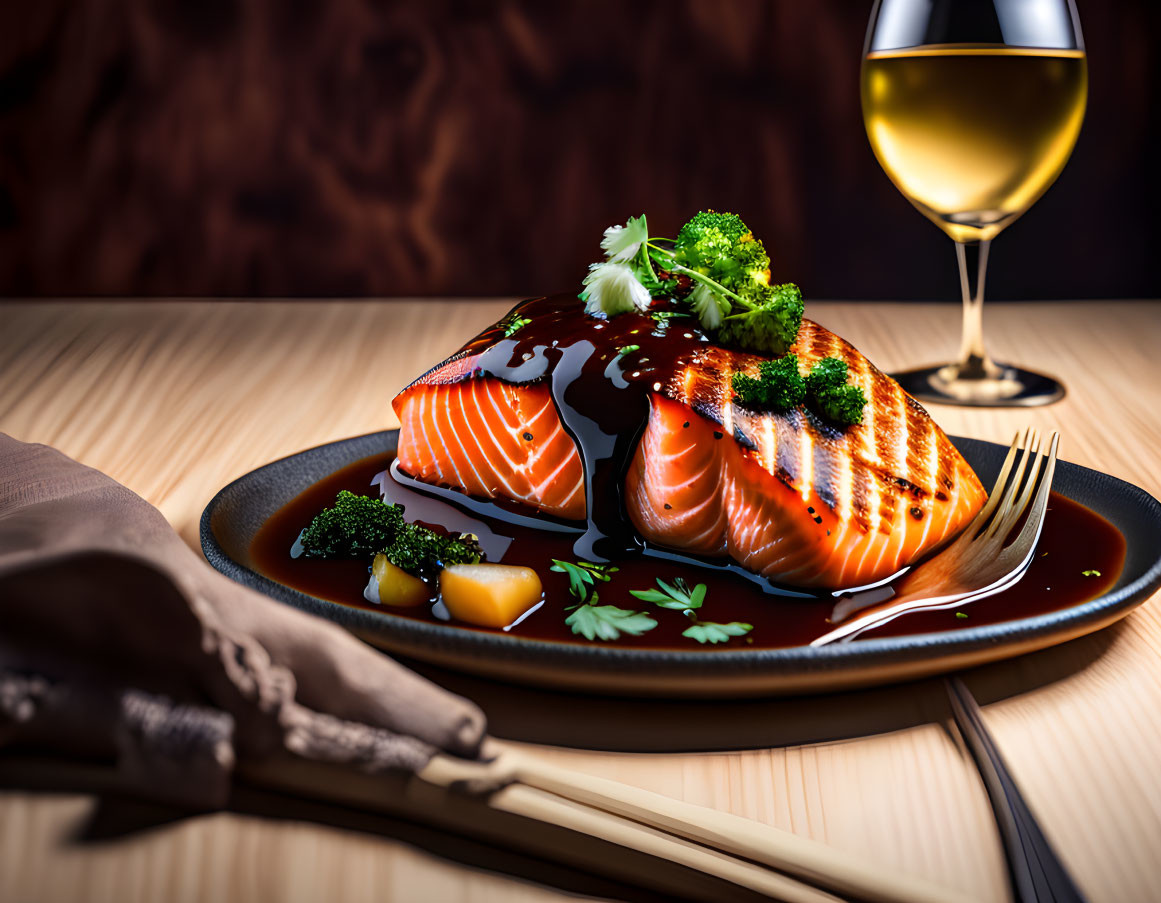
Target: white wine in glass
(972,108)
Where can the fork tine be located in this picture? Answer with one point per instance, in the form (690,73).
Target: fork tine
(1002,520)
(1021,506)
(1013,485)
(1030,532)
(994,495)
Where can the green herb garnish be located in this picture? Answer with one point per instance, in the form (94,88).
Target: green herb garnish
(779,386)
(721,272)
(679,597)
(608,622)
(359,526)
(628,349)
(1090,573)
(419,550)
(515,325)
(582,574)
(592,621)
(961,614)
(715,265)
(829,394)
(711,632)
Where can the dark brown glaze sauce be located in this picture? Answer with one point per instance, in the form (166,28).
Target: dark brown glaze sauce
(1075,539)
(600,393)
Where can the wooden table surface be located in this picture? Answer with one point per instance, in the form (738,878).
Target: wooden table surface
(177,398)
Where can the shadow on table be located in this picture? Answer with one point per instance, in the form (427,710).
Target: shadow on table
(619,724)
(452,827)
(464,830)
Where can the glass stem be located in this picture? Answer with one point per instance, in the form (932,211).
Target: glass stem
(974,362)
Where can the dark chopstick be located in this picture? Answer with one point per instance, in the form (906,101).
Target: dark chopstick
(1037,873)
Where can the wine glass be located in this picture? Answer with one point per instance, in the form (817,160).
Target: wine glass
(972,108)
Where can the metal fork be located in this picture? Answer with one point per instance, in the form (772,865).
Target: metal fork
(975,565)
(978,563)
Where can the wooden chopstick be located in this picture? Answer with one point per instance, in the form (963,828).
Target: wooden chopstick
(531,802)
(810,861)
(382,794)
(302,777)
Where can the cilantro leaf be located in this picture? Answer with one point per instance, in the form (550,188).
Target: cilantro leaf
(578,577)
(608,622)
(678,596)
(711,632)
(581,575)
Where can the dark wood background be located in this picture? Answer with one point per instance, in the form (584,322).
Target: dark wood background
(369,147)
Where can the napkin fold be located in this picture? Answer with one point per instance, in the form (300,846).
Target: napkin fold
(118,641)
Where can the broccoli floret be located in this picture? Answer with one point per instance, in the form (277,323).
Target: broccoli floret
(779,386)
(842,405)
(828,373)
(464,550)
(831,396)
(721,246)
(361,527)
(772,328)
(418,550)
(356,527)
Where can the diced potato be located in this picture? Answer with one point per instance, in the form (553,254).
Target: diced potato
(390,585)
(489,595)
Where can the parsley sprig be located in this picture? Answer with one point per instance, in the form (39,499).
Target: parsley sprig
(679,597)
(592,621)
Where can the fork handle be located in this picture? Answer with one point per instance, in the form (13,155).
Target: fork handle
(1037,873)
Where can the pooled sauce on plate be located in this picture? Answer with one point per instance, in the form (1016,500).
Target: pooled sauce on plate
(1074,540)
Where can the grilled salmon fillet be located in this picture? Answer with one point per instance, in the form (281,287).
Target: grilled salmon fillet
(784,495)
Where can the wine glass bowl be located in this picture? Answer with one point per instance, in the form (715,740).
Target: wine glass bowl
(972,108)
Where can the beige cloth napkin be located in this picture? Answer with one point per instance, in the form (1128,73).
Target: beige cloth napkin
(117,640)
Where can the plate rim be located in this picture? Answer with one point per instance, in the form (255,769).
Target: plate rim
(794,659)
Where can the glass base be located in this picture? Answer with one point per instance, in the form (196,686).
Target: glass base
(1001,386)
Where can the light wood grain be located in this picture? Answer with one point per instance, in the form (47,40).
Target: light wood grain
(175,399)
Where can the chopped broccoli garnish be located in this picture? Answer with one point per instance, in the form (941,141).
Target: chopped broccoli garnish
(831,396)
(778,386)
(356,527)
(771,328)
(842,405)
(420,551)
(828,373)
(361,527)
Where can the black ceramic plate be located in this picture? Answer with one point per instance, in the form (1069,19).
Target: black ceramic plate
(234,515)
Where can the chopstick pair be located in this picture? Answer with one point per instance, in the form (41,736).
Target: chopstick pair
(778,864)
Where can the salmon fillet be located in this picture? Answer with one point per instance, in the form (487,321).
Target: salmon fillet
(784,495)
